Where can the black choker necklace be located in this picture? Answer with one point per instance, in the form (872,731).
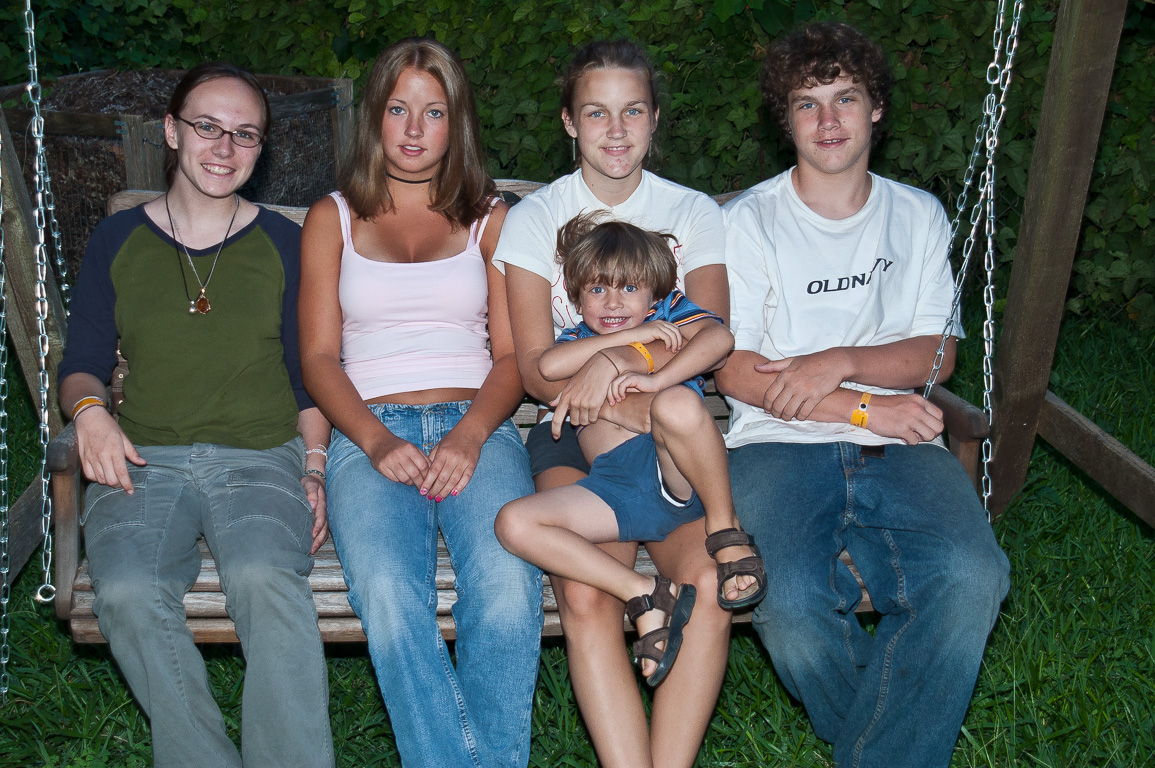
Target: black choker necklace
(408,181)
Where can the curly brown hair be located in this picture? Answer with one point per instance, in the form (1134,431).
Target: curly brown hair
(818,54)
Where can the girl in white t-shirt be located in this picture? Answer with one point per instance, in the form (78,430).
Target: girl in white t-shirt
(610,109)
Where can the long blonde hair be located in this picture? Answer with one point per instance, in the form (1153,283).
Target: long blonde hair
(461,189)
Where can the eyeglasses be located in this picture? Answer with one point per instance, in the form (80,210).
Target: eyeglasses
(212,132)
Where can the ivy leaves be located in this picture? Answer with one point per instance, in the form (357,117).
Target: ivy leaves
(713,135)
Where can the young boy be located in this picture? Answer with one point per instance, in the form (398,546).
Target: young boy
(840,288)
(641,486)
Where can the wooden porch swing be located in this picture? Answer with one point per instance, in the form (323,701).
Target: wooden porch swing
(205,604)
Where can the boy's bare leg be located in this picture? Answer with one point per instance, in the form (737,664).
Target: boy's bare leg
(559,530)
(692,457)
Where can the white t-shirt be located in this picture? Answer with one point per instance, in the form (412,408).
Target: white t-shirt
(801,283)
(529,235)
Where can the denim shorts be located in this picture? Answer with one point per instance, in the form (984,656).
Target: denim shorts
(627,478)
(547,453)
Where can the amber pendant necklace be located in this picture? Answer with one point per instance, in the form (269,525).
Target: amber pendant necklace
(201,304)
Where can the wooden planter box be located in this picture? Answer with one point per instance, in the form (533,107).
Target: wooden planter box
(92,155)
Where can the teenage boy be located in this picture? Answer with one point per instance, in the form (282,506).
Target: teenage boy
(840,288)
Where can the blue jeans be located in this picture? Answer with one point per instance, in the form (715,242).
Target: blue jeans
(476,713)
(921,541)
(142,549)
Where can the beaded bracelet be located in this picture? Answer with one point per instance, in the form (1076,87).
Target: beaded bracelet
(316,472)
(322,450)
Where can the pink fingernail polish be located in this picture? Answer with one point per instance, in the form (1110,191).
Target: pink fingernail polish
(453,494)
(424,491)
(439,498)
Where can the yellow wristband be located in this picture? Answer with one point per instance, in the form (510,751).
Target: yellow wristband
(85,403)
(859,416)
(645,353)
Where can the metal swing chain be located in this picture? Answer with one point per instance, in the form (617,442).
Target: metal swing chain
(46,591)
(4,543)
(1003,78)
(987,134)
(42,164)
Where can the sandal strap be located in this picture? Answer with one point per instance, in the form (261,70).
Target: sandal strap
(727,537)
(646,646)
(660,599)
(747,566)
(636,606)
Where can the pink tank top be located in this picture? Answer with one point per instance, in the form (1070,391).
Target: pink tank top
(409,327)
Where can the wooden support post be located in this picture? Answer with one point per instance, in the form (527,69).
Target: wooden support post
(24,532)
(1078,79)
(20,287)
(151,148)
(342,119)
(135,157)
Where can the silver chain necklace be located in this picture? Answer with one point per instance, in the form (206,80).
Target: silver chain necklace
(201,304)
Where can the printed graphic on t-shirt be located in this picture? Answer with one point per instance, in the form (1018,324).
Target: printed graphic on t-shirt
(848,282)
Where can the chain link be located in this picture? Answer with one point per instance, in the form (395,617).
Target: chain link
(46,591)
(998,76)
(4,543)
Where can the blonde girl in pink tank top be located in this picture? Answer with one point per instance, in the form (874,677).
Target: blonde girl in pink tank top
(393,350)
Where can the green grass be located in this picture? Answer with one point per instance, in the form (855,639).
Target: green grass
(1068,679)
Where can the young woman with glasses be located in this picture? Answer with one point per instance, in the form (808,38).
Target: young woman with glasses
(216,439)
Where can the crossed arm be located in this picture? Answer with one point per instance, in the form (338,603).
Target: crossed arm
(695,348)
(586,392)
(809,386)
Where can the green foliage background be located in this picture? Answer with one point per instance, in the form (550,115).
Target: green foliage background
(714,134)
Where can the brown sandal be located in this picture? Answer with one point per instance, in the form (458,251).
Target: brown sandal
(747,566)
(677,612)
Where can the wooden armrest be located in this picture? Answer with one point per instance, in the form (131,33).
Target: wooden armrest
(966,428)
(64,464)
(63,452)
(964,422)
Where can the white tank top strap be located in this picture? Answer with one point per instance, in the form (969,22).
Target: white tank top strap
(477,231)
(346,221)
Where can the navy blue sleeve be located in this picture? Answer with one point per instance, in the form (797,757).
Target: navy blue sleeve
(286,237)
(92,334)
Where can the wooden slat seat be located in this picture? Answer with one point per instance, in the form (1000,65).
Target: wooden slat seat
(205,604)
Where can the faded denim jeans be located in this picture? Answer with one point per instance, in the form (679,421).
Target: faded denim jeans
(473,710)
(920,539)
(251,509)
